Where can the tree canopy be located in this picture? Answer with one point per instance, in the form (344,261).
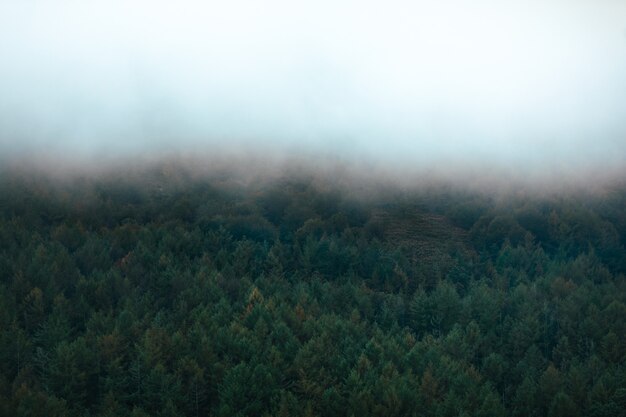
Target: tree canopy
(169,295)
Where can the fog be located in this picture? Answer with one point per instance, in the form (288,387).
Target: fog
(536,88)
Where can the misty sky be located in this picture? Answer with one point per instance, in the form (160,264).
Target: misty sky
(534,82)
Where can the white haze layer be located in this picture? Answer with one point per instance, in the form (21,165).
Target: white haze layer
(537,84)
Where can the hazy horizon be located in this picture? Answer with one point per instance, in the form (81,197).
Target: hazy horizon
(533,88)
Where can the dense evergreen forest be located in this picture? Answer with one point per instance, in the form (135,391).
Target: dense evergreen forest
(164,293)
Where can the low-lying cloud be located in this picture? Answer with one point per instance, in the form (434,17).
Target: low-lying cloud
(536,86)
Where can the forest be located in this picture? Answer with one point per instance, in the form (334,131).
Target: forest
(166,293)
